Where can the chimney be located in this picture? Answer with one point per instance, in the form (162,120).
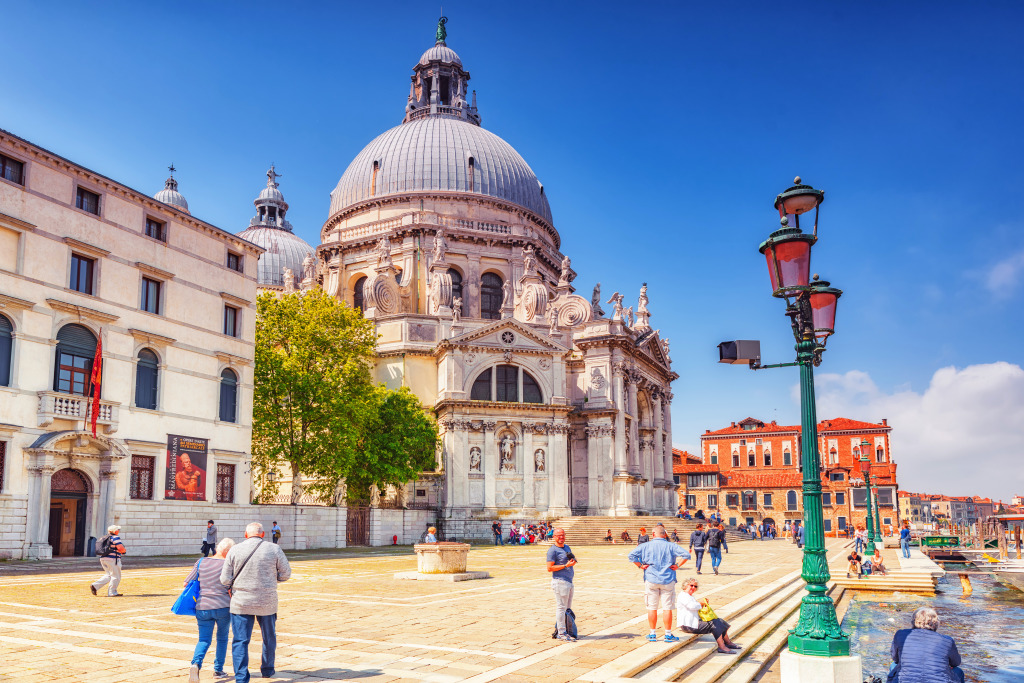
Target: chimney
(733,424)
(885,422)
(707,431)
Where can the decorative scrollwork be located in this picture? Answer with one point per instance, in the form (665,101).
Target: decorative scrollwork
(573,311)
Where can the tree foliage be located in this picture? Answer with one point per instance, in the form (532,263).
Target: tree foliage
(316,405)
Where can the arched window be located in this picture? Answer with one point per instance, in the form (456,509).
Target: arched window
(228,395)
(735,459)
(751,459)
(456,283)
(373,178)
(791,500)
(145,379)
(787,458)
(767,458)
(505,385)
(357,293)
(6,349)
(76,348)
(879,454)
(490,296)
(471,175)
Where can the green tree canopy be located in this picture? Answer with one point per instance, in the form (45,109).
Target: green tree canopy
(316,405)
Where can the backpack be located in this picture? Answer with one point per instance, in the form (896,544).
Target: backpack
(570,624)
(104,546)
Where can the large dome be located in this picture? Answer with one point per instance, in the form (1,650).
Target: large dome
(432,154)
(284,248)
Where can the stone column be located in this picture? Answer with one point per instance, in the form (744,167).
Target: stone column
(672,499)
(633,455)
(492,465)
(558,474)
(662,474)
(528,465)
(594,473)
(37,546)
(621,462)
(108,489)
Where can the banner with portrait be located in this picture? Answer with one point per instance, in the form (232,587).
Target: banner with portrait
(186,468)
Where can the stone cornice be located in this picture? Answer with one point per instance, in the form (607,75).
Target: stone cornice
(505,408)
(14,302)
(16,222)
(84,311)
(237,300)
(153,270)
(232,359)
(89,249)
(151,338)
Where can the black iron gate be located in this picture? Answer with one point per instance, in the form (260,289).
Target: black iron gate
(357,526)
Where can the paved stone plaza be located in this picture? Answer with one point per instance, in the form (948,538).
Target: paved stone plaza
(342,616)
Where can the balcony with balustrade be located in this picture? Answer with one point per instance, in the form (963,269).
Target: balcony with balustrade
(57,406)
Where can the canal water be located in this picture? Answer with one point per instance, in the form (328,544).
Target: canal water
(988,626)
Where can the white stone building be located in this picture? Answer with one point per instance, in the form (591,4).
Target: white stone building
(83,260)
(442,234)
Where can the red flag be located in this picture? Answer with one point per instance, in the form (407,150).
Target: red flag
(95,379)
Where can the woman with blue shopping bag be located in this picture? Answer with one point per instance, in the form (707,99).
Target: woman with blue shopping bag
(208,599)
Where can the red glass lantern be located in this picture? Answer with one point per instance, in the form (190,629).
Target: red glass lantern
(823,301)
(788,255)
(865,466)
(798,200)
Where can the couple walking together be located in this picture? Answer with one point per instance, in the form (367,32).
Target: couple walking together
(714,539)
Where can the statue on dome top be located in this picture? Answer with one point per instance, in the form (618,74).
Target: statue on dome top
(441,32)
(272,177)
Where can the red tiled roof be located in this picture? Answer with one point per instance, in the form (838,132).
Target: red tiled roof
(782,479)
(838,424)
(767,427)
(843,424)
(694,468)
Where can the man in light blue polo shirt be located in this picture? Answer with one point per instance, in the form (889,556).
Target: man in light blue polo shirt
(560,563)
(659,560)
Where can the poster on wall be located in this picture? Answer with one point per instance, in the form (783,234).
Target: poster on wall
(186,468)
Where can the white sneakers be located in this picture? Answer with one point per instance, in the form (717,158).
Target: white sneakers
(193,674)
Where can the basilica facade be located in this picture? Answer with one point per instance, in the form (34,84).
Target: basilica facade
(547,404)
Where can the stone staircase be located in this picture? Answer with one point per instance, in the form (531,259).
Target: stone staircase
(760,621)
(583,530)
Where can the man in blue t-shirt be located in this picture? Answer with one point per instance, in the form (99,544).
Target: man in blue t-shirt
(560,563)
(905,539)
(659,559)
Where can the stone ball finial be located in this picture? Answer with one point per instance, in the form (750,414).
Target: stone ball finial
(796,181)
(816,276)
(784,220)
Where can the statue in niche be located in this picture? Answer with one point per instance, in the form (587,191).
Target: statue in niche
(383,252)
(595,302)
(627,315)
(507,448)
(529,259)
(440,246)
(474,459)
(456,310)
(642,304)
(553,330)
(538,460)
(289,281)
(564,277)
(308,267)
(506,294)
(616,302)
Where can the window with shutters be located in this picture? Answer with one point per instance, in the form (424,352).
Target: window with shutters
(691,501)
(828,524)
(150,295)
(750,500)
(87,201)
(234,261)
(791,500)
(732,500)
(751,460)
(767,500)
(6,351)
(713,500)
(787,458)
(735,459)
(156,229)
(225,483)
(146,371)
(76,348)
(231,321)
(228,395)
(82,270)
(767,459)
(840,498)
(826,499)
(141,485)
(12,169)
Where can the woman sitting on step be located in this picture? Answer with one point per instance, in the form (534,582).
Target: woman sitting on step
(690,621)
(876,563)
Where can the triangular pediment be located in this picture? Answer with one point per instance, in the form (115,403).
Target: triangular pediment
(652,344)
(496,335)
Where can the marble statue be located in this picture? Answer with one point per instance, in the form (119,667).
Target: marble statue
(308,267)
(566,263)
(538,460)
(616,302)
(506,294)
(507,449)
(553,330)
(456,310)
(628,316)
(474,459)
(642,304)
(664,346)
(595,302)
(529,258)
(383,251)
(440,246)
(289,281)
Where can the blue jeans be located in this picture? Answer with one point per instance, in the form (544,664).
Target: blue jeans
(241,625)
(716,556)
(206,618)
(858,545)
(905,545)
(498,538)
(699,553)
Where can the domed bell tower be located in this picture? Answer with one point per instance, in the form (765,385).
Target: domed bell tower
(440,85)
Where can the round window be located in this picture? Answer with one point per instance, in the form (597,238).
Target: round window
(508,338)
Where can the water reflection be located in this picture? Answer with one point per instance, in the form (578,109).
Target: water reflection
(988,626)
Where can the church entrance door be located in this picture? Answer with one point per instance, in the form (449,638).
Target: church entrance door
(68,497)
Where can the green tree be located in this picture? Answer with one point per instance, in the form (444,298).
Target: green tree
(316,405)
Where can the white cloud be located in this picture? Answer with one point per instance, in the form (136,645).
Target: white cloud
(1002,279)
(964,435)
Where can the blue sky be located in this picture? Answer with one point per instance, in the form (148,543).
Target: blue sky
(662,133)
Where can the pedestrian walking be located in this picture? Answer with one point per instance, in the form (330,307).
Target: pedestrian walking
(905,539)
(110,551)
(716,541)
(560,564)
(275,532)
(860,539)
(785,529)
(798,534)
(760,530)
(251,572)
(496,530)
(698,539)
(659,560)
(212,610)
(210,539)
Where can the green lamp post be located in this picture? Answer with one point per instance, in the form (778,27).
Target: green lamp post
(811,307)
(865,469)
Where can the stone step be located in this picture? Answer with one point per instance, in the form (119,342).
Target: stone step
(649,654)
(771,610)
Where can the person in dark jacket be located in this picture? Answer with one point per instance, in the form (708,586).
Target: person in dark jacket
(698,539)
(921,655)
(716,541)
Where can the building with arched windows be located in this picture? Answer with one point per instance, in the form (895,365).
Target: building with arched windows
(441,233)
(107,291)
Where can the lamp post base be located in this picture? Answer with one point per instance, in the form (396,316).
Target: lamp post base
(807,669)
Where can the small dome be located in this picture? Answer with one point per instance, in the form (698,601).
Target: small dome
(272,194)
(170,195)
(284,248)
(440,53)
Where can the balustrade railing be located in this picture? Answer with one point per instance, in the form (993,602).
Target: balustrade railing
(54,405)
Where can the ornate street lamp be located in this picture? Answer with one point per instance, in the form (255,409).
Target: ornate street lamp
(811,307)
(865,468)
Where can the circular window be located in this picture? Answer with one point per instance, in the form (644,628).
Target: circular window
(508,338)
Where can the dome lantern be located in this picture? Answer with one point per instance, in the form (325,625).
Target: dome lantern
(271,230)
(440,84)
(170,194)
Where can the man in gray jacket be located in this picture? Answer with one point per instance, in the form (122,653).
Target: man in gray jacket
(210,539)
(251,572)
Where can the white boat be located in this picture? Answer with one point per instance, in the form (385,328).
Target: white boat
(1010,576)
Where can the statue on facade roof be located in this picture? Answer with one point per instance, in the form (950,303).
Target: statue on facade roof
(529,259)
(642,305)
(553,330)
(627,315)
(456,310)
(595,302)
(566,263)
(440,246)
(308,267)
(289,281)
(441,32)
(616,302)
(506,294)
(383,251)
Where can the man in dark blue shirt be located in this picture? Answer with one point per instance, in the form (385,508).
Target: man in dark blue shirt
(905,539)
(698,539)
(560,563)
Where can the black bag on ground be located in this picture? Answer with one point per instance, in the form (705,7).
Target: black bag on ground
(570,624)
